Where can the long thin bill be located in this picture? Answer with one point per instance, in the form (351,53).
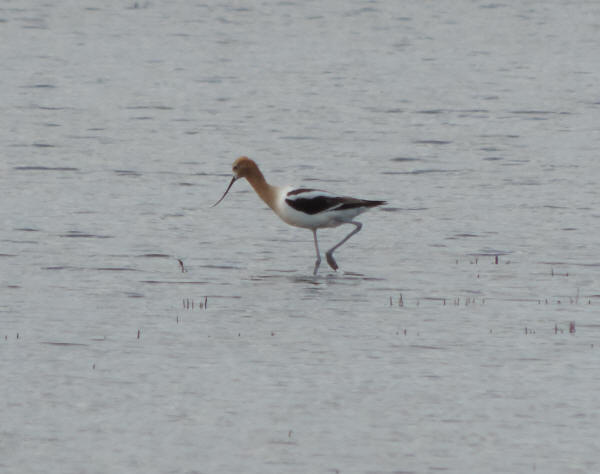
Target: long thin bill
(226,191)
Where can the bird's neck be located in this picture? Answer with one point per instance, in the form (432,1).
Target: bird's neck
(267,192)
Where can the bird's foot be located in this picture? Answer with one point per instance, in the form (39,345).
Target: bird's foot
(331,261)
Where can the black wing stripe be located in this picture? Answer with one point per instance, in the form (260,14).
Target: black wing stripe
(314,205)
(293,192)
(360,203)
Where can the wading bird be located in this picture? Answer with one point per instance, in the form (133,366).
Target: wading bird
(301,207)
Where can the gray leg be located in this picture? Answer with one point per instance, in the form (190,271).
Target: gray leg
(318,262)
(330,260)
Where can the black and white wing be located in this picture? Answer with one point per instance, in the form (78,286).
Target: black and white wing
(314,201)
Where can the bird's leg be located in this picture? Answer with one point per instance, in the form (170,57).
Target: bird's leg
(330,260)
(318,262)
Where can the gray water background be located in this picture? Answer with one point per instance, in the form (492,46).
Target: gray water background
(477,121)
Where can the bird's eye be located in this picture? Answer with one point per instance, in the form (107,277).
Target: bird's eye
(235,168)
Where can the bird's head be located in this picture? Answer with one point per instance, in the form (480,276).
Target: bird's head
(243,167)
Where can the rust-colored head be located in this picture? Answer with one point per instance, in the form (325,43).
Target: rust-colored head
(243,167)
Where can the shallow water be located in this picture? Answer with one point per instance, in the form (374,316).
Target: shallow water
(460,334)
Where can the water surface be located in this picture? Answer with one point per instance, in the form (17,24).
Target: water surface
(461,331)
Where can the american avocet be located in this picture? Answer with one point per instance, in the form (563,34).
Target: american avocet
(302,207)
